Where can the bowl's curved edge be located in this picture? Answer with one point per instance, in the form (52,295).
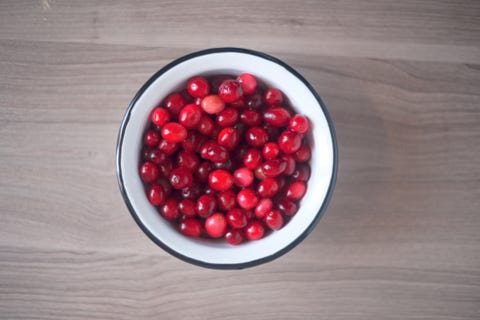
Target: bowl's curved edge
(252,263)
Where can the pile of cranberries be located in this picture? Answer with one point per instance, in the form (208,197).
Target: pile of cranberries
(226,157)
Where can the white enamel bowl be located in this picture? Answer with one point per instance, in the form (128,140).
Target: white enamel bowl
(303,98)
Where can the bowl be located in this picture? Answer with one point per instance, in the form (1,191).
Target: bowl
(303,98)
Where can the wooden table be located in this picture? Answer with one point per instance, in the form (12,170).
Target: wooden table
(400,239)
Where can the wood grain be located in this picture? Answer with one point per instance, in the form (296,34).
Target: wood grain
(400,239)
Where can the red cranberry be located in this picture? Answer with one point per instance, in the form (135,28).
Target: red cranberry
(151,138)
(270,150)
(198,87)
(243,177)
(180,178)
(289,208)
(263,207)
(212,104)
(228,138)
(295,191)
(247,198)
(216,225)
(251,117)
(274,220)
(215,152)
(187,207)
(190,227)
(160,116)
(252,158)
(191,192)
(227,118)
(267,188)
(256,136)
(173,103)
(170,209)
(273,97)
(298,124)
(236,218)
(234,236)
(192,142)
(220,180)
(188,160)
(174,132)
(303,154)
(227,165)
(259,173)
(206,205)
(254,101)
(203,171)
(254,230)
(276,116)
(289,142)
(190,116)
(230,91)
(156,195)
(226,200)
(247,82)
(274,167)
(154,155)
(167,147)
(166,167)
(149,172)
(290,160)
(302,172)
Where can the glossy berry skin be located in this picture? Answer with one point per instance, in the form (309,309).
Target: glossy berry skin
(252,158)
(230,91)
(167,147)
(302,172)
(216,225)
(191,192)
(174,103)
(160,116)
(298,124)
(180,178)
(205,126)
(276,117)
(156,195)
(170,209)
(203,171)
(151,138)
(187,207)
(243,177)
(212,104)
(149,172)
(290,160)
(154,155)
(267,188)
(188,160)
(165,167)
(254,230)
(226,200)
(259,173)
(247,198)
(234,236)
(190,116)
(247,82)
(174,132)
(198,87)
(251,117)
(295,191)
(190,227)
(274,167)
(274,220)
(273,97)
(236,218)
(289,142)
(227,117)
(270,150)
(303,154)
(192,142)
(264,206)
(220,180)
(228,138)
(214,152)
(206,205)
(256,136)
(288,207)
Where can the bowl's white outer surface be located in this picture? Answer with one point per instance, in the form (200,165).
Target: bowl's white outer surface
(219,253)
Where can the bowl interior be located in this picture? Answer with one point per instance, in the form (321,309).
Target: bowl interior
(219,253)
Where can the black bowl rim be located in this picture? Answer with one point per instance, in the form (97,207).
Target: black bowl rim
(247,264)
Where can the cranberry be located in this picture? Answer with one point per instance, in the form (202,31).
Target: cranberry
(289,208)
(227,118)
(149,172)
(192,141)
(270,150)
(254,230)
(302,172)
(243,177)
(167,147)
(166,167)
(263,207)
(216,225)
(230,91)
(247,82)
(254,101)
(267,188)
(226,200)
(251,117)
(180,178)
(220,180)
(236,218)
(247,198)
(206,205)
(154,155)
(298,124)
(303,154)
(160,116)
(289,142)
(228,138)
(274,220)
(252,158)
(173,103)
(234,236)
(191,192)
(281,180)
(198,87)
(204,148)
(276,116)
(227,165)
(206,125)
(295,191)
(190,227)
(188,160)
(256,136)
(273,97)
(274,167)
(209,190)
(212,104)
(187,207)
(156,195)
(216,153)
(203,171)
(259,173)
(290,160)
(174,132)
(170,209)
(151,138)
(190,116)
